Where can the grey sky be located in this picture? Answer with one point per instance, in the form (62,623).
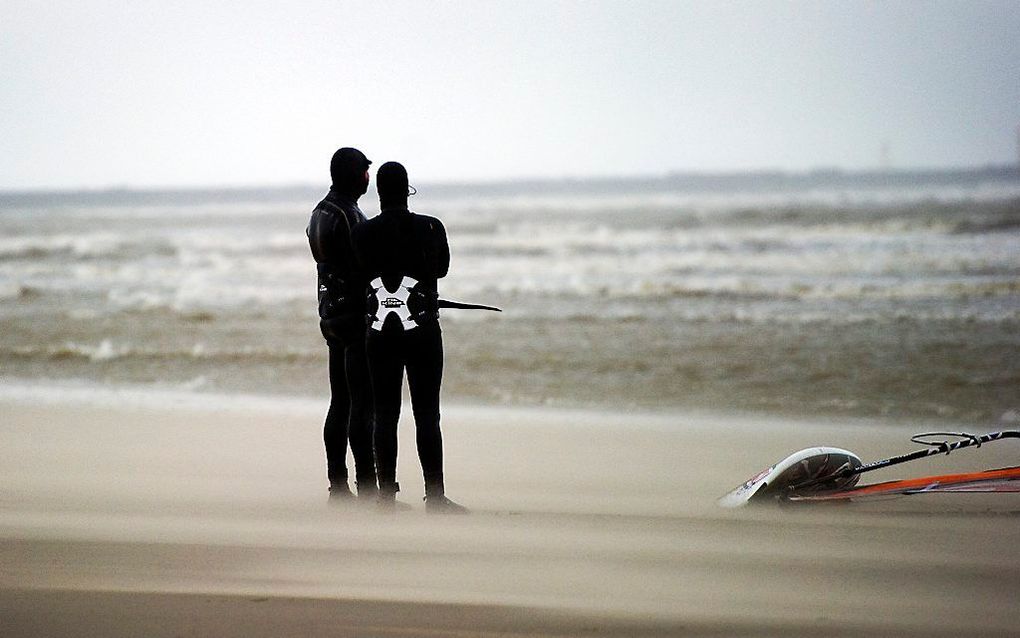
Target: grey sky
(154,93)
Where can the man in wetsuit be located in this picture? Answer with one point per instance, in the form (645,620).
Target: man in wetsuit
(342,321)
(402,256)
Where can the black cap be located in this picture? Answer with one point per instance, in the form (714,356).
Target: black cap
(348,157)
(347,161)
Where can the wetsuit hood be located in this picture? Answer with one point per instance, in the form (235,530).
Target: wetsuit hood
(348,169)
(391,182)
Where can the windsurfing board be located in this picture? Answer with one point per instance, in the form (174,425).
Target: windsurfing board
(801,467)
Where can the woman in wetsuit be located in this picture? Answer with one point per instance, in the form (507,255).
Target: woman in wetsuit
(403,254)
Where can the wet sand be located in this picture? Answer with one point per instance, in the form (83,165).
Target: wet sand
(120,517)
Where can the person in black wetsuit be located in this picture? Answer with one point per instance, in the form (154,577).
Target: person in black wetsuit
(403,255)
(342,321)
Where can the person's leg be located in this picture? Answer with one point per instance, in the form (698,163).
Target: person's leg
(361,424)
(334,432)
(386,365)
(424,380)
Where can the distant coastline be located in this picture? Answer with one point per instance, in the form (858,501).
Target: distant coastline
(687,181)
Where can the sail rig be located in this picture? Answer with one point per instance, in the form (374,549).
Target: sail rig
(831,474)
(1001,480)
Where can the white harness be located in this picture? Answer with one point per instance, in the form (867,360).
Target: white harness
(393,303)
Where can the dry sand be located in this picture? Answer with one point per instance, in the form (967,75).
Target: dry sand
(125,517)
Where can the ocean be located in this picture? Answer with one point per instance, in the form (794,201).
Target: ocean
(818,294)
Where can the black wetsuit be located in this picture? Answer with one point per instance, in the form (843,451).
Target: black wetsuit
(395,244)
(342,321)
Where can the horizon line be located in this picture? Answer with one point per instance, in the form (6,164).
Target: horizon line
(1004,169)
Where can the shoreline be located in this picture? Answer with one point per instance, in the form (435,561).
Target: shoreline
(98,394)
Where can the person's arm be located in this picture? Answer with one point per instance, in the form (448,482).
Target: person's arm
(345,244)
(360,252)
(329,236)
(442,249)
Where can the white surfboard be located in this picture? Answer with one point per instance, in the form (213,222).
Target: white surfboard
(800,467)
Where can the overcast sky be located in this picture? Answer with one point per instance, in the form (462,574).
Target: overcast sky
(158,93)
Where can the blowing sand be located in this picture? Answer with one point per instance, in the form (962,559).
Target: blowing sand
(127,517)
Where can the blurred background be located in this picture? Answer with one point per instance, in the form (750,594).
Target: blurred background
(789,207)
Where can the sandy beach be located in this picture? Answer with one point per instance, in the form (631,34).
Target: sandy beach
(196,515)
(717,234)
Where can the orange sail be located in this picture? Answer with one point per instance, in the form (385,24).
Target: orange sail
(1001,480)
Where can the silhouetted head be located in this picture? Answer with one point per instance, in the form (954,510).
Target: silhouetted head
(349,170)
(391,181)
